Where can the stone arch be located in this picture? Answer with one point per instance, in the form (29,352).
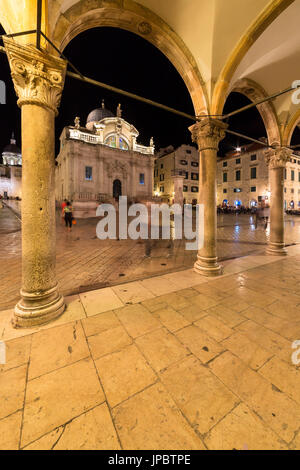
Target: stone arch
(137,19)
(265,19)
(290,127)
(254,92)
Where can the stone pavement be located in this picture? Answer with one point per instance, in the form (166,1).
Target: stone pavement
(176,361)
(85,262)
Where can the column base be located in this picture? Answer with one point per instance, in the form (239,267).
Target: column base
(276,249)
(36,309)
(208,267)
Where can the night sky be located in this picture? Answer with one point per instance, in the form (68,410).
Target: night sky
(127,61)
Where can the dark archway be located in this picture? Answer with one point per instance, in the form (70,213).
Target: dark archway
(117,189)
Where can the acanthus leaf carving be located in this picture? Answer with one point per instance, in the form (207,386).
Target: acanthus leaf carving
(277,157)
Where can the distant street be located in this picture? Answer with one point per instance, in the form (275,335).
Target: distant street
(85,262)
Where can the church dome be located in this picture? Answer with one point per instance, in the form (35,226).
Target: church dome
(99,114)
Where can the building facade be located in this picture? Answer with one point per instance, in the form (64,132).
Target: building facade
(11,171)
(243,179)
(102,161)
(177,171)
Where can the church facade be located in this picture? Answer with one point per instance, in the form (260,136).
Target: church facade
(102,161)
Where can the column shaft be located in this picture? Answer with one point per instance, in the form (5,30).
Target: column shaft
(207,255)
(276,160)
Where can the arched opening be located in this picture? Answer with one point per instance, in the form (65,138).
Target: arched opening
(254,92)
(131,63)
(249,123)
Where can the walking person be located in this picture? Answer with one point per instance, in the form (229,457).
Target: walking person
(68,212)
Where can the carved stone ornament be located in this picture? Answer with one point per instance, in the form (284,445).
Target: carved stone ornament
(278,157)
(144,28)
(38,76)
(207,133)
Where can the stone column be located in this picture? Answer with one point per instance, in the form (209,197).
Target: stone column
(207,133)
(276,160)
(38,79)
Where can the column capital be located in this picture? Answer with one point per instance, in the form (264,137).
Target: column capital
(38,76)
(277,157)
(207,133)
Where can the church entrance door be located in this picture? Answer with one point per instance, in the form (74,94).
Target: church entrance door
(117,189)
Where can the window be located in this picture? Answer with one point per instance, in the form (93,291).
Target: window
(185,188)
(161,177)
(299,176)
(194,189)
(196,164)
(162,189)
(195,176)
(224,177)
(253,158)
(88,173)
(224,191)
(238,161)
(253,173)
(238,175)
(111,141)
(285,173)
(292,190)
(292,175)
(186,175)
(224,164)
(188,151)
(237,190)
(253,189)
(285,190)
(183,162)
(142,178)
(161,165)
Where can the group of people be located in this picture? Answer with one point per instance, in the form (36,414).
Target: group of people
(67,214)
